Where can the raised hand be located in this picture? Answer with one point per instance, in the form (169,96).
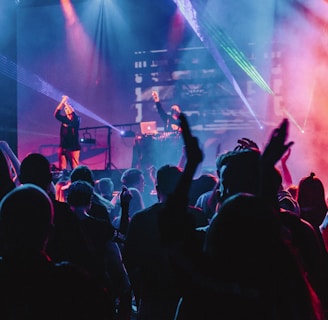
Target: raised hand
(155,96)
(125,196)
(277,145)
(193,152)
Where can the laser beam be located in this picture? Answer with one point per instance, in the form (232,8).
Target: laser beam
(35,82)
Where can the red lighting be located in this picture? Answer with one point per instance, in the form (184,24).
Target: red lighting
(69,12)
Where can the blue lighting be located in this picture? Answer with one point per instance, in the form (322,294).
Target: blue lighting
(33,81)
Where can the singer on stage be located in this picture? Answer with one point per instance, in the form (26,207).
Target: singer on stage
(69,147)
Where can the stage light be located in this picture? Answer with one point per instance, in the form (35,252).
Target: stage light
(128,134)
(87,139)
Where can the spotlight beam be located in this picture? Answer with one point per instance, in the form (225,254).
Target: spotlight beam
(293,120)
(33,81)
(190,15)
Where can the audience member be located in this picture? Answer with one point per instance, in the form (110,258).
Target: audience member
(204,183)
(65,242)
(97,252)
(105,187)
(254,272)
(100,207)
(35,169)
(208,202)
(147,261)
(32,286)
(312,201)
(308,246)
(242,167)
(134,180)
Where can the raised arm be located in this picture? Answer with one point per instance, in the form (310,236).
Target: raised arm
(60,105)
(174,221)
(183,159)
(125,198)
(155,96)
(276,146)
(286,176)
(274,150)
(159,107)
(194,156)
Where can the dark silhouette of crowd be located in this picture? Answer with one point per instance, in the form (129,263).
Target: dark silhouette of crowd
(243,242)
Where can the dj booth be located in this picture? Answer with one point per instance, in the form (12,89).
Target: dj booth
(157,150)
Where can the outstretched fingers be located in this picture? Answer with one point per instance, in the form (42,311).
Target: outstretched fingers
(277,145)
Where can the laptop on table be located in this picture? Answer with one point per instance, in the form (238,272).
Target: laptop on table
(148,128)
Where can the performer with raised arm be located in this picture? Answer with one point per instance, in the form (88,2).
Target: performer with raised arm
(171,121)
(69,147)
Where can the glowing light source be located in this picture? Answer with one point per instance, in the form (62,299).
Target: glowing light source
(69,12)
(80,47)
(128,134)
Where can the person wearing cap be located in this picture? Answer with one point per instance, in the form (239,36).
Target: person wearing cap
(171,121)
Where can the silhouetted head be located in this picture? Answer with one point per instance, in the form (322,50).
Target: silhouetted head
(244,228)
(83,173)
(238,171)
(26,218)
(311,199)
(133,178)
(80,194)
(167,179)
(204,183)
(311,191)
(35,168)
(105,187)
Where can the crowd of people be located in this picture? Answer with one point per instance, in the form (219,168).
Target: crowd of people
(243,243)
